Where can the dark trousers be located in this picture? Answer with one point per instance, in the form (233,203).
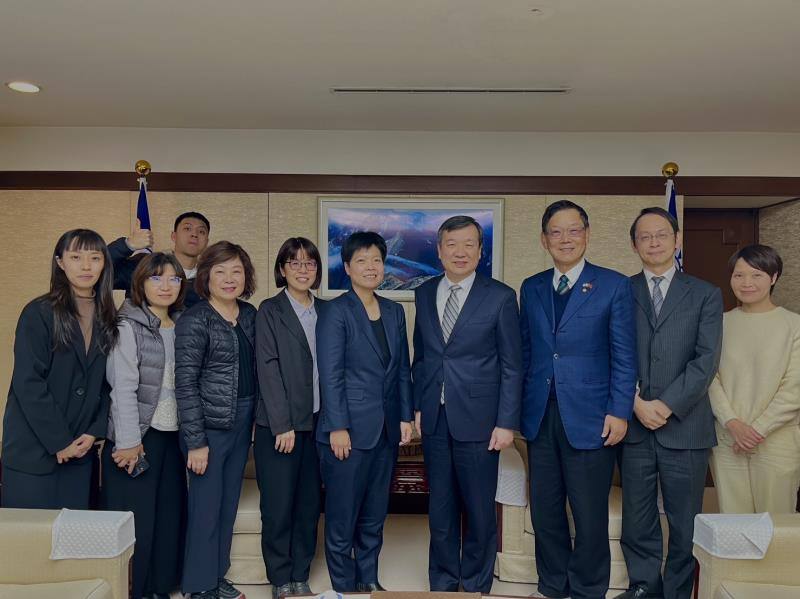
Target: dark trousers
(463,480)
(68,486)
(214,501)
(157,498)
(356,502)
(290,505)
(559,472)
(682,474)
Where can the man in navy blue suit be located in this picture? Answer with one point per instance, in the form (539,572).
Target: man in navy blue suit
(580,365)
(467,378)
(365,384)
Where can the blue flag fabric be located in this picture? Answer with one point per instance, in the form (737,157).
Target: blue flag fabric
(672,208)
(142,212)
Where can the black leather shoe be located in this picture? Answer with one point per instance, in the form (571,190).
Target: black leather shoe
(284,590)
(637,592)
(369,587)
(301,588)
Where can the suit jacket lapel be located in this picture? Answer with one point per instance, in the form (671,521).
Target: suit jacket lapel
(289,318)
(476,296)
(389,326)
(433,312)
(362,319)
(543,289)
(581,291)
(79,346)
(678,289)
(642,296)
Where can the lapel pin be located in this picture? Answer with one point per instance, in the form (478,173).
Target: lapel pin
(586,287)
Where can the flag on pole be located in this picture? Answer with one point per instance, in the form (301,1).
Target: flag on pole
(142,212)
(672,208)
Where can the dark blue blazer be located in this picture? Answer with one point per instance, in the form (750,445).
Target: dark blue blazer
(480,365)
(358,391)
(592,353)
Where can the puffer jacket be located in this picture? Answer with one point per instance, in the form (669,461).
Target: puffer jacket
(150,357)
(207,370)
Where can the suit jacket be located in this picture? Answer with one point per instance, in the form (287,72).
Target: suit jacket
(285,367)
(678,358)
(55,396)
(592,353)
(480,365)
(359,392)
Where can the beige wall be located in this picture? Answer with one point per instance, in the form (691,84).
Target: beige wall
(779,227)
(31,222)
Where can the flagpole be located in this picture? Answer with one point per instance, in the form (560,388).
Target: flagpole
(669,170)
(142,169)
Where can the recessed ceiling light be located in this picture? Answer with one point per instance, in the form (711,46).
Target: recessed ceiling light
(23,87)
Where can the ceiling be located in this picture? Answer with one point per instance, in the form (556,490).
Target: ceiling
(649,65)
(734,202)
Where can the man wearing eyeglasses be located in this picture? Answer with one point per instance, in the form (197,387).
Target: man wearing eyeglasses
(579,365)
(679,332)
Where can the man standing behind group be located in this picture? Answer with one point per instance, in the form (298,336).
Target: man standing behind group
(467,377)
(579,359)
(679,333)
(190,238)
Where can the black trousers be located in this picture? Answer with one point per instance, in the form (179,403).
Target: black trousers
(214,501)
(290,505)
(356,503)
(68,486)
(559,472)
(157,498)
(463,480)
(682,474)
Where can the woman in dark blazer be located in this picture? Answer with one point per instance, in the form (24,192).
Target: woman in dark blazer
(216,389)
(366,413)
(287,466)
(58,401)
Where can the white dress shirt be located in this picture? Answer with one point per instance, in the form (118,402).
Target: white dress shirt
(443,292)
(668,276)
(572,274)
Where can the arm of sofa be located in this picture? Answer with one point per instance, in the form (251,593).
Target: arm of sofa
(779,565)
(25,543)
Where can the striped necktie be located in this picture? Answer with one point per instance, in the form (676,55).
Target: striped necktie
(658,296)
(563,285)
(451,310)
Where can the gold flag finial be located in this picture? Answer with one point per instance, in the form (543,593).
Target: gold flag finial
(669,170)
(142,168)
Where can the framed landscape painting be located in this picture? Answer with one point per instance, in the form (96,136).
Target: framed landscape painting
(409,228)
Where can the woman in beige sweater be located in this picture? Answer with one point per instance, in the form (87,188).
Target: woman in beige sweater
(756,393)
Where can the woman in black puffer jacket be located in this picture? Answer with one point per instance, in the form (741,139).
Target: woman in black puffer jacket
(216,389)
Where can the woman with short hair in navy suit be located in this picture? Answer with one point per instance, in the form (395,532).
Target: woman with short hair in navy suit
(365,381)
(58,401)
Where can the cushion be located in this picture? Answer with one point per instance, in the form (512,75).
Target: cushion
(76,589)
(248,518)
(753,590)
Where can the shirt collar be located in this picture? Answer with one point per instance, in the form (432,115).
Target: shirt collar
(297,306)
(668,276)
(573,274)
(465,285)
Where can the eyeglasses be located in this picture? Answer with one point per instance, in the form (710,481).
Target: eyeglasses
(661,236)
(556,234)
(172,281)
(297,264)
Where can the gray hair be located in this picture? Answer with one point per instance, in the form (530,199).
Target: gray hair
(460,221)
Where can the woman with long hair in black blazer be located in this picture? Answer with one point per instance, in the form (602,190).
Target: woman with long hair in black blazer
(143,469)
(216,388)
(287,466)
(58,401)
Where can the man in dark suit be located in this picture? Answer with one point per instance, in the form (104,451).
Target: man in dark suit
(467,377)
(679,331)
(579,358)
(365,384)
(190,238)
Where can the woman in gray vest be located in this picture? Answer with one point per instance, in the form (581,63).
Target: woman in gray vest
(143,468)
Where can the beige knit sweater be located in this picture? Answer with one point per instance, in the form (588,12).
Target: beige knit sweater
(758,380)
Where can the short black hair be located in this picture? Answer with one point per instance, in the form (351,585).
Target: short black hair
(657,210)
(560,205)
(454,223)
(760,257)
(289,251)
(186,215)
(362,240)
